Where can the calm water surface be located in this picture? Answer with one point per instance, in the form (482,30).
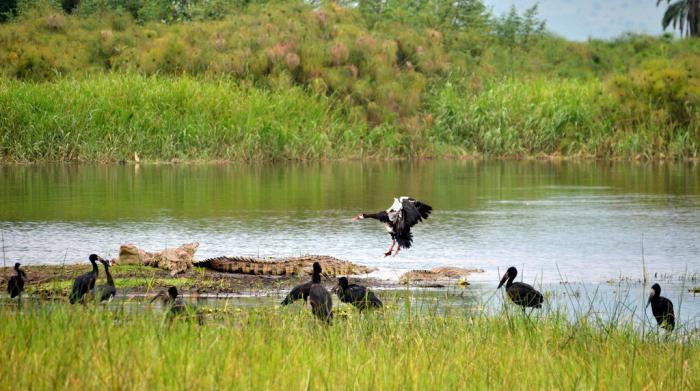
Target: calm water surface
(581,222)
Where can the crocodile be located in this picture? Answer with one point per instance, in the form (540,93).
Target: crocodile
(285,266)
(438,274)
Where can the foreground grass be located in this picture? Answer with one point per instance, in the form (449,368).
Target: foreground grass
(53,346)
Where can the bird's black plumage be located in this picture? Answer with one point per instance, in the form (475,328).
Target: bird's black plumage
(85,283)
(15,285)
(300,291)
(662,308)
(319,297)
(403,214)
(105,292)
(357,295)
(520,293)
(176,307)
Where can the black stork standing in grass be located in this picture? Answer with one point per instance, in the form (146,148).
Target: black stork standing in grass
(319,297)
(357,295)
(662,308)
(300,291)
(105,292)
(520,293)
(403,214)
(85,283)
(176,306)
(15,286)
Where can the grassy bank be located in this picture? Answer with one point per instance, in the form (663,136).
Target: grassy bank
(206,80)
(50,346)
(111,117)
(567,117)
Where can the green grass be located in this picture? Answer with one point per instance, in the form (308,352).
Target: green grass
(111,117)
(290,80)
(526,117)
(54,346)
(62,288)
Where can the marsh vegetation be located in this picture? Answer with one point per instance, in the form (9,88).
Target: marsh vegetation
(50,345)
(209,80)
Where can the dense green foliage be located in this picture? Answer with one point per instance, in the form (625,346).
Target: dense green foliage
(50,346)
(111,117)
(397,78)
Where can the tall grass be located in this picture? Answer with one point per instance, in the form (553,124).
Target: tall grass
(53,346)
(113,117)
(525,117)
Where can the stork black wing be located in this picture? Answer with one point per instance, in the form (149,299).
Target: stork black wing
(300,291)
(412,212)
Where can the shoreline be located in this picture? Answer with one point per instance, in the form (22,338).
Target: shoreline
(54,281)
(550,158)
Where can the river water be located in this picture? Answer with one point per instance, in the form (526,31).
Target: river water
(582,222)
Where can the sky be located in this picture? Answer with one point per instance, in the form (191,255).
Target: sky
(580,19)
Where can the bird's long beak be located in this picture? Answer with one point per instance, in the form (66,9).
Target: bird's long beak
(651,295)
(326,276)
(503,281)
(159,295)
(335,288)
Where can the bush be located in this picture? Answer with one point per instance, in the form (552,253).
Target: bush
(665,91)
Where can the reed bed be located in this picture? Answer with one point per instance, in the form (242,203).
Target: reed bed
(160,118)
(111,118)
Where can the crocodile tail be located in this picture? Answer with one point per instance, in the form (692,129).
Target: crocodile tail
(246,265)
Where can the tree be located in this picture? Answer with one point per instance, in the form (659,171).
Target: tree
(683,15)
(8,8)
(513,29)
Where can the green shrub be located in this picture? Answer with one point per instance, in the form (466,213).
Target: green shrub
(665,91)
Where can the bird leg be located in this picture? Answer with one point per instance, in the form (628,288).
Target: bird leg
(393,242)
(398,248)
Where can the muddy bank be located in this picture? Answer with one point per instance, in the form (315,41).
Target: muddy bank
(49,281)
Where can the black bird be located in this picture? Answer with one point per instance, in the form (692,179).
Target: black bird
(319,297)
(85,283)
(300,291)
(175,305)
(662,308)
(15,286)
(403,214)
(357,295)
(520,293)
(105,292)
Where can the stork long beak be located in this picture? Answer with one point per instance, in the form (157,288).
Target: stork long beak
(503,281)
(651,295)
(158,296)
(335,288)
(326,276)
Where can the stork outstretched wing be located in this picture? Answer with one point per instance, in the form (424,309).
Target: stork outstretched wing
(412,212)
